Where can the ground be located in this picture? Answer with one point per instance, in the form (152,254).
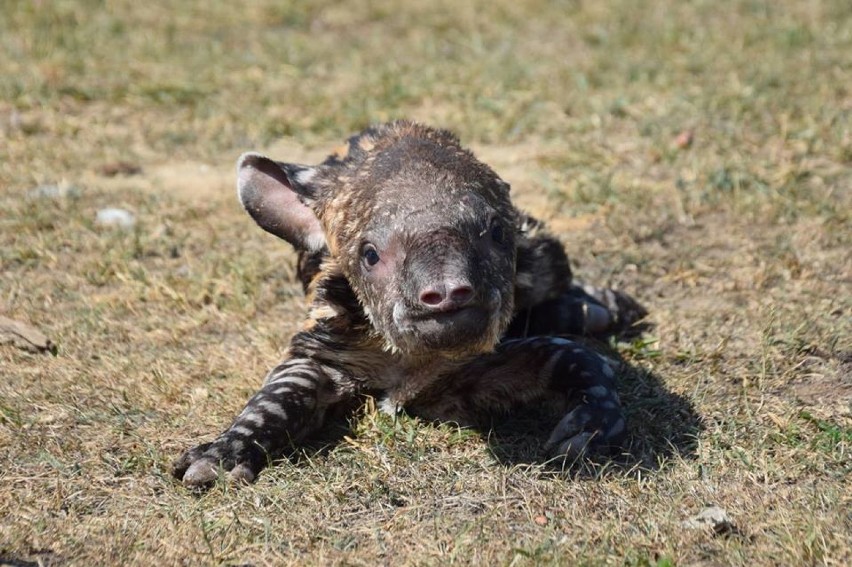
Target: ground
(695,154)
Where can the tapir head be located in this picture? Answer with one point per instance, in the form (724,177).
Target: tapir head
(423,232)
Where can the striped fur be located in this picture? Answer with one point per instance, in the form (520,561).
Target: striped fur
(427,288)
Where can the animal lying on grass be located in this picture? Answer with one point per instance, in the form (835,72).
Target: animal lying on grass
(429,290)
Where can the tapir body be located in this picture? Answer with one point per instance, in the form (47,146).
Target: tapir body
(427,288)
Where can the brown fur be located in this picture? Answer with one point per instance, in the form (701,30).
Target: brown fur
(416,264)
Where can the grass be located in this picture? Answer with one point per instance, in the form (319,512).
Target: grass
(738,242)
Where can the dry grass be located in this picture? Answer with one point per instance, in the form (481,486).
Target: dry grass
(741,395)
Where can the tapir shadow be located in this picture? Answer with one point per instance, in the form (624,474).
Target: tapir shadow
(661,425)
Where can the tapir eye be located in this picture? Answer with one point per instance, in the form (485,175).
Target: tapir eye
(371,255)
(498,235)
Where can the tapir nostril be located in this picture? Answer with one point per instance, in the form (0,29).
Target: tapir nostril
(432,297)
(446,296)
(461,295)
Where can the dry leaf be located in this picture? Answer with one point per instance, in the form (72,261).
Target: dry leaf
(24,336)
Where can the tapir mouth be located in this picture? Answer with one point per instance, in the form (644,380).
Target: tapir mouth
(451,328)
(466,329)
(452,320)
(447,314)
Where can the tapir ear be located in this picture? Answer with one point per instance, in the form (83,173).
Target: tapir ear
(276,195)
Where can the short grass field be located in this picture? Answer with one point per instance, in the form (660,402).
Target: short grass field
(696,154)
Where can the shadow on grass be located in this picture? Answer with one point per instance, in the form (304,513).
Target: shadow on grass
(661,425)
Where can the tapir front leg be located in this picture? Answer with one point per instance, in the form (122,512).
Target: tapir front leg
(291,404)
(531,371)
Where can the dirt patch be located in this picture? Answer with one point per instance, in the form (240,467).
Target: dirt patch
(826,386)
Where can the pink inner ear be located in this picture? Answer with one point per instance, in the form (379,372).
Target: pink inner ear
(268,196)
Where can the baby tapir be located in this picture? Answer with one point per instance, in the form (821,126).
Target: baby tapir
(427,289)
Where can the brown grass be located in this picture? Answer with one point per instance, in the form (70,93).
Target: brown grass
(739,243)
